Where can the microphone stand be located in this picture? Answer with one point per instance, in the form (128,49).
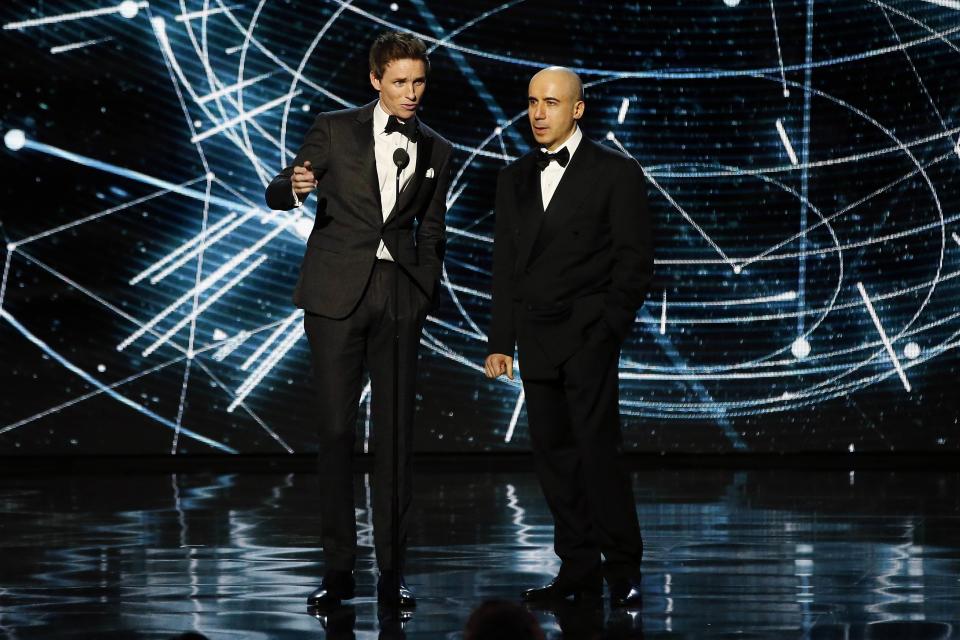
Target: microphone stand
(401,159)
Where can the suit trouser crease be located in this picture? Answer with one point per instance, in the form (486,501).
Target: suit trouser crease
(340,350)
(575,433)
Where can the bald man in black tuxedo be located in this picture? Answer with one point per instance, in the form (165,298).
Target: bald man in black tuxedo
(571,267)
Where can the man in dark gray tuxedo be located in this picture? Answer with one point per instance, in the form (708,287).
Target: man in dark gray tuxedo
(572,261)
(363,249)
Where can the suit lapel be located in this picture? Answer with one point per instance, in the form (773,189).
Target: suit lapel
(529,207)
(424,151)
(363,132)
(570,192)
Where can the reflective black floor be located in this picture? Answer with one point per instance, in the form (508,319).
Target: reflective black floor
(753,554)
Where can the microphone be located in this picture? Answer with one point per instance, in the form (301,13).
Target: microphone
(401,158)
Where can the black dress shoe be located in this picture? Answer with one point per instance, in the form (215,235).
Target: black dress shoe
(626,593)
(580,591)
(336,586)
(387,593)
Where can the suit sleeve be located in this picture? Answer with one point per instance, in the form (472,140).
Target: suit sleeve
(431,230)
(502,337)
(316,149)
(632,249)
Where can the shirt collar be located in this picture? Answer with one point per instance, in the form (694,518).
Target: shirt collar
(571,143)
(380,118)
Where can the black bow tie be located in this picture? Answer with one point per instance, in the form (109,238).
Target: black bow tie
(408,128)
(544,159)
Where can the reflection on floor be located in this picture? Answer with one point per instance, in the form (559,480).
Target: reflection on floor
(755,554)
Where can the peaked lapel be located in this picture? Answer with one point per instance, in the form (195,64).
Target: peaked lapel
(363,134)
(529,207)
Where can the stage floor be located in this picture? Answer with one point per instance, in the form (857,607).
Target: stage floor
(746,554)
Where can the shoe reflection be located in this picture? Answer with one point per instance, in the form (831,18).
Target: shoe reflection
(340,621)
(588,620)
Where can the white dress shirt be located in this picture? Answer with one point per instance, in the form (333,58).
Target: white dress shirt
(550,177)
(384,144)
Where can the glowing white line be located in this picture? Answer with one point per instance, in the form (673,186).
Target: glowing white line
(183,402)
(204,245)
(452,200)
(231,345)
(473,292)
(233,87)
(127,173)
(6,271)
(184,17)
(949,4)
(453,327)
(786,143)
(232,50)
(955,237)
(247,115)
(65,17)
(428,340)
(686,216)
(503,144)
(516,415)
(467,234)
(251,383)
(883,337)
(271,339)
(612,73)
(829,162)
(179,188)
(366,418)
(622,114)
(786,296)
(250,412)
(63,48)
(776,35)
(208,281)
(102,301)
(233,282)
(663,314)
(840,212)
(88,395)
(70,366)
(179,250)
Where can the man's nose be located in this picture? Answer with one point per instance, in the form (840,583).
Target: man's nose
(540,112)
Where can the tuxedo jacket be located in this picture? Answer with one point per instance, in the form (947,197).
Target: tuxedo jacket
(349,224)
(581,266)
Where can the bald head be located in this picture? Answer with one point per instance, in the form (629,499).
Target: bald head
(562,78)
(554,105)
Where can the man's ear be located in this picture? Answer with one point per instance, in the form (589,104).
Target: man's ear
(578,109)
(374,81)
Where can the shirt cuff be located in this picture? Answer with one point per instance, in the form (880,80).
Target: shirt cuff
(296,199)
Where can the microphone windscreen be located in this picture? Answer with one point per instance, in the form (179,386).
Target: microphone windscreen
(401,158)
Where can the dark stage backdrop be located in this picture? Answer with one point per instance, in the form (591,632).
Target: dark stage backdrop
(802,158)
